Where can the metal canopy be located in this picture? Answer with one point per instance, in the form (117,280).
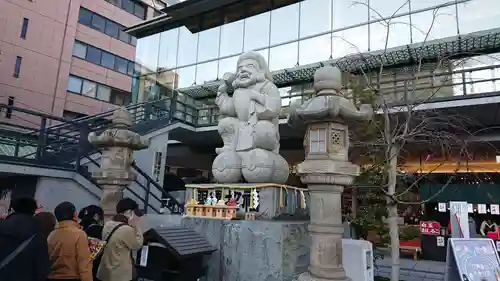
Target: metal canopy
(456,47)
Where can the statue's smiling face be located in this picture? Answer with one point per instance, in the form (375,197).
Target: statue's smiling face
(247,74)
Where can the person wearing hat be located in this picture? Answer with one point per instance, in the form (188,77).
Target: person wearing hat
(123,234)
(92,221)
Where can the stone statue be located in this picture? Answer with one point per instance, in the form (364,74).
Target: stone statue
(249,125)
(117,144)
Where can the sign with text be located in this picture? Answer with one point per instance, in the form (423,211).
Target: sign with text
(429,228)
(473,259)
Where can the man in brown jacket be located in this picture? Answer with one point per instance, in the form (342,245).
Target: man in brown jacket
(116,262)
(68,247)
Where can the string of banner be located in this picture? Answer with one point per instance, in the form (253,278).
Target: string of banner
(493,209)
(284,189)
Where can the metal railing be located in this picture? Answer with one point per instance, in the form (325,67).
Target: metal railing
(64,146)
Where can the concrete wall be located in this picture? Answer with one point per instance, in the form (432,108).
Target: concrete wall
(52,191)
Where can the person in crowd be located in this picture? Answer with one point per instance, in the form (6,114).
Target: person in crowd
(68,247)
(46,222)
(23,248)
(92,220)
(124,235)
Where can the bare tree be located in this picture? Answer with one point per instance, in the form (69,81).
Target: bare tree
(404,124)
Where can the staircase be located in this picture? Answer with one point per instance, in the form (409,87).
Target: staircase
(65,144)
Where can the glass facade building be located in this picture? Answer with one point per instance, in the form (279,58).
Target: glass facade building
(302,33)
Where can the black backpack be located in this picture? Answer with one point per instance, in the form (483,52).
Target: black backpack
(97,260)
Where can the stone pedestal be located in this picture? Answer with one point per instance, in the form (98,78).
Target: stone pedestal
(117,145)
(326,169)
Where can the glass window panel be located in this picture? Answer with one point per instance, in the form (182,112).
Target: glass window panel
(434,24)
(315,49)
(89,88)
(314,147)
(321,147)
(394,32)
(146,53)
(284,24)
(93,55)
(285,91)
(313,135)
(208,44)
(422,4)
(85,17)
(115,2)
(348,13)
(315,17)
(227,65)
(130,68)
(350,41)
(206,72)
(79,50)
(231,42)
(139,10)
(167,58)
(103,93)
(111,29)
(188,43)
(322,135)
(478,15)
(284,56)
(133,40)
(121,65)
(257,31)
(186,76)
(123,36)
(128,6)
(386,9)
(108,60)
(74,84)
(98,22)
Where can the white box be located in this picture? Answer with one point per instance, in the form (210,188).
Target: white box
(357,259)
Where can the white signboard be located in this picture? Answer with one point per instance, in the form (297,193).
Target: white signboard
(470,208)
(442,207)
(481,208)
(144,256)
(494,210)
(440,241)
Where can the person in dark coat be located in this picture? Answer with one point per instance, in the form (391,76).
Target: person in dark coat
(32,262)
(92,221)
(46,222)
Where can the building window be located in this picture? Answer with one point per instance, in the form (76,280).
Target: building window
(24,28)
(317,140)
(98,23)
(81,86)
(132,7)
(75,84)
(104,93)
(79,50)
(157,13)
(104,25)
(10,102)
(102,58)
(17,67)
(93,55)
(89,88)
(108,60)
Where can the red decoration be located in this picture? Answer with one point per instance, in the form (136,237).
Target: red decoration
(231,203)
(429,228)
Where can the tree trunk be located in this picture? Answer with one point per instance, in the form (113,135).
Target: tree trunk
(392,213)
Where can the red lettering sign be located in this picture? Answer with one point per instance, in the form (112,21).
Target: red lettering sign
(429,228)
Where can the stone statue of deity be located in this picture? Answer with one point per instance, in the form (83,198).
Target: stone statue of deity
(249,105)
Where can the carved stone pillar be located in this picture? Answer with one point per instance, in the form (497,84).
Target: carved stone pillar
(117,145)
(326,169)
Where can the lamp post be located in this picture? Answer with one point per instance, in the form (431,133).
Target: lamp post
(118,144)
(326,169)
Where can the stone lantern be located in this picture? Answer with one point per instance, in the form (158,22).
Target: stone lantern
(326,169)
(117,144)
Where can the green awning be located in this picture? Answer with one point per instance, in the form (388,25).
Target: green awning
(483,193)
